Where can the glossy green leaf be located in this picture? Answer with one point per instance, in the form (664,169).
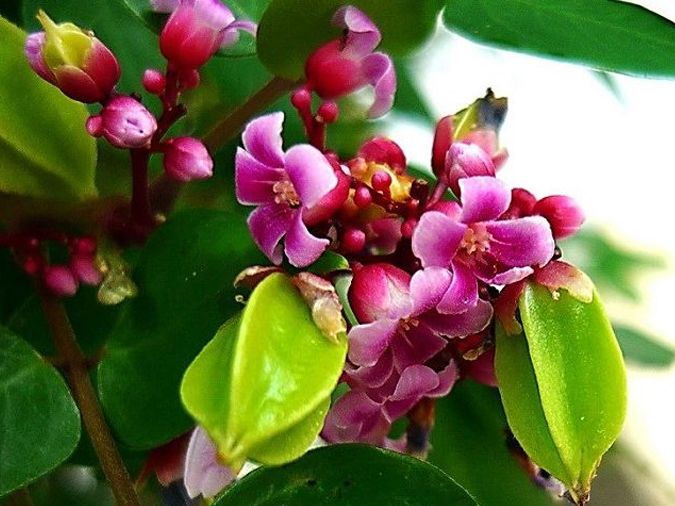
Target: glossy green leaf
(184,276)
(641,349)
(608,35)
(284,47)
(262,387)
(348,475)
(44,149)
(469,443)
(564,385)
(40,424)
(328,263)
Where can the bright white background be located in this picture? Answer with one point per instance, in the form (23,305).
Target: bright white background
(567,133)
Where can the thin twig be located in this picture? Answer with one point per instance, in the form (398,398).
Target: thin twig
(85,397)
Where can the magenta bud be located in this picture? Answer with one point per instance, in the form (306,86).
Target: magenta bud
(84,245)
(189,78)
(33,52)
(154,81)
(362,197)
(124,122)
(465,160)
(60,280)
(301,99)
(442,141)
(85,270)
(194,32)
(186,158)
(381,181)
(563,213)
(408,227)
(378,290)
(33,263)
(384,151)
(328,112)
(353,240)
(522,204)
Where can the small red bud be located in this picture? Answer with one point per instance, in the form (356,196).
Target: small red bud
(60,280)
(189,78)
(408,227)
(362,197)
(381,181)
(353,240)
(154,81)
(328,112)
(84,245)
(301,98)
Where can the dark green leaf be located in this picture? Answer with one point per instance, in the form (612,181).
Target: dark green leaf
(641,349)
(44,149)
(40,424)
(348,475)
(184,276)
(608,35)
(328,263)
(284,47)
(469,443)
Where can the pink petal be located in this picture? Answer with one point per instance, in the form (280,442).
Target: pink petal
(231,33)
(521,242)
(472,321)
(414,383)
(262,138)
(268,224)
(513,275)
(368,342)
(436,239)
(462,292)
(380,73)
(204,475)
(310,172)
(374,376)
(447,378)
(302,248)
(349,416)
(484,198)
(362,34)
(427,287)
(254,180)
(416,345)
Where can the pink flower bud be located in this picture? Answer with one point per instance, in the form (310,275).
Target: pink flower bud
(189,78)
(378,290)
(194,32)
(381,181)
(563,213)
(362,197)
(353,240)
(124,122)
(154,81)
(84,245)
(384,151)
(442,141)
(85,270)
(328,112)
(186,158)
(522,204)
(465,160)
(60,280)
(75,61)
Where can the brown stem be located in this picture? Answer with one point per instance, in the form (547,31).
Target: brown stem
(85,397)
(231,124)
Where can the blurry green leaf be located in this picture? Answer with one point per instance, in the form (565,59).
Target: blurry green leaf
(409,99)
(607,35)
(283,47)
(348,475)
(184,277)
(45,150)
(564,385)
(261,387)
(135,47)
(611,266)
(640,349)
(40,424)
(329,262)
(11,10)
(469,443)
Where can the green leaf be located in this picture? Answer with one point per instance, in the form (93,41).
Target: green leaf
(329,262)
(641,349)
(40,424)
(135,47)
(469,443)
(262,387)
(607,35)
(348,475)
(564,385)
(184,276)
(45,150)
(284,47)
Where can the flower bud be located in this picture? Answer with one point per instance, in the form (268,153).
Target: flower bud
(378,290)
(522,204)
(85,270)
(384,151)
(60,280)
(154,81)
(442,141)
(465,160)
(563,213)
(186,158)
(75,61)
(124,122)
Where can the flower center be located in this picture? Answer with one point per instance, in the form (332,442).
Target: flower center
(409,323)
(476,239)
(284,193)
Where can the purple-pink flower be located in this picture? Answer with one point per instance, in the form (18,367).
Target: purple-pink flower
(124,122)
(476,244)
(284,186)
(187,159)
(204,474)
(345,65)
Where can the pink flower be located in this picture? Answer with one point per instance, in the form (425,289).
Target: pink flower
(286,188)
(73,60)
(204,474)
(124,122)
(465,160)
(563,213)
(60,280)
(186,158)
(196,29)
(345,65)
(477,245)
